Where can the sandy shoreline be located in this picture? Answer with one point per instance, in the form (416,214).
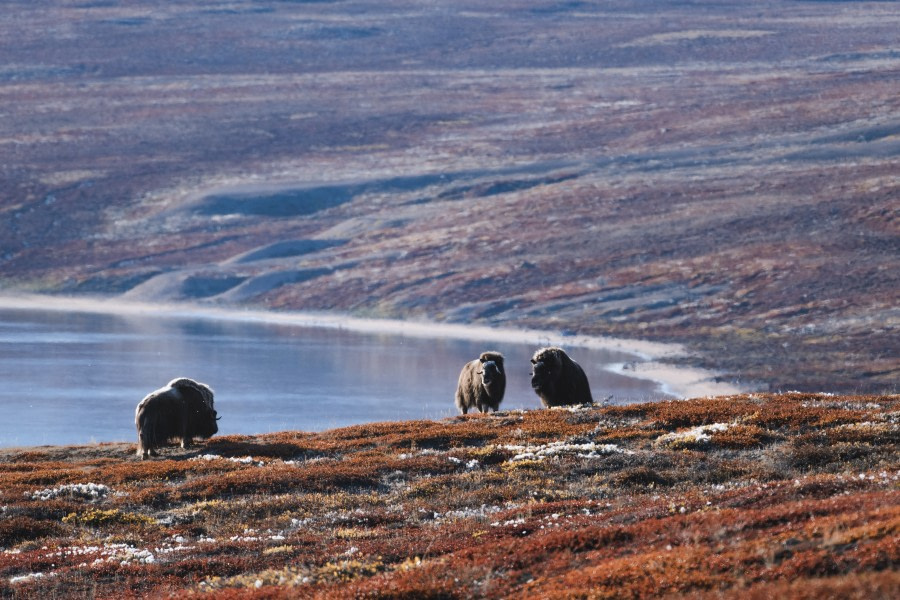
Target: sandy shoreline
(681,382)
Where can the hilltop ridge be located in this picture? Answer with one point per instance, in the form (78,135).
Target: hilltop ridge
(747,496)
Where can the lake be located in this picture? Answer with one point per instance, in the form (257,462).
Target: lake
(76,377)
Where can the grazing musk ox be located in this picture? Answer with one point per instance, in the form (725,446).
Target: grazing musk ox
(482,383)
(180,411)
(557,379)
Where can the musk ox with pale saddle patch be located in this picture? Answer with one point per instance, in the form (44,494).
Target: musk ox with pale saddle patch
(482,383)
(180,411)
(557,379)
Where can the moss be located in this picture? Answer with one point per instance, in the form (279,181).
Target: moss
(348,570)
(100,518)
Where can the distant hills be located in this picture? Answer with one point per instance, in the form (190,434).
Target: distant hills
(719,175)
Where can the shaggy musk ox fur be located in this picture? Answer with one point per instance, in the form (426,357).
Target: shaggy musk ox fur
(180,411)
(482,383)
(558,380)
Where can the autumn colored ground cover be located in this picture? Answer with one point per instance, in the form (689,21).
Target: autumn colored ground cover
(750,496)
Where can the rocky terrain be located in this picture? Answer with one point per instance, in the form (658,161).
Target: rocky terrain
(722,175)
(749,496)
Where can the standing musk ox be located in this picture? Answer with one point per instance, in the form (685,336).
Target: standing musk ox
(557,379)
(482,383)
(180,411)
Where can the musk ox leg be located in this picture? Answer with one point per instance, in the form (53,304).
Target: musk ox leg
(145,448)
(185,432)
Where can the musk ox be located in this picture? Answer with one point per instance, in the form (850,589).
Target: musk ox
(482,383)
(180,411)
(557,379)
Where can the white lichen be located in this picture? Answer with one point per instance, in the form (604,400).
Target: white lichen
(581,450)
(87,491)
(694,435)
(244,460)
(29,577)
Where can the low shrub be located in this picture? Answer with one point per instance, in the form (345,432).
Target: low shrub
(99,518)
(641,477)
(20,528)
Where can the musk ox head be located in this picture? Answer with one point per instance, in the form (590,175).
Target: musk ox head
(557,379)
(199,400)
(491,369)
(482,383)
(182,410)
(546,367)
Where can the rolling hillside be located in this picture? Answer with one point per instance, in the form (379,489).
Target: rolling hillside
(720,175)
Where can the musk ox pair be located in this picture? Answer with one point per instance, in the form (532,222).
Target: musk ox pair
(181,411)
(556,379)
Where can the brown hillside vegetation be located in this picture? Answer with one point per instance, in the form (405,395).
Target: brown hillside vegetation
(751,496)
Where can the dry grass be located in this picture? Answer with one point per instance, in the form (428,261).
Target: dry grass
(748,496)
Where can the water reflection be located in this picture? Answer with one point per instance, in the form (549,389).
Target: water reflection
(71,378)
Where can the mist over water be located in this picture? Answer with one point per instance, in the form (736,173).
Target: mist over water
(76,378)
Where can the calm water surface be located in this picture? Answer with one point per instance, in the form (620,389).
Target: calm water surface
(75,378)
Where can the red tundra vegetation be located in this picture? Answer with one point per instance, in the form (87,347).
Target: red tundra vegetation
(750,496)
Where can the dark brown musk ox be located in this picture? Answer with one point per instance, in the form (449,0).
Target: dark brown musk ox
(557,379)
(181,411)
(482,383)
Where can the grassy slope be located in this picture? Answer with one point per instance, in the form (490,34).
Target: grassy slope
(781,495)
